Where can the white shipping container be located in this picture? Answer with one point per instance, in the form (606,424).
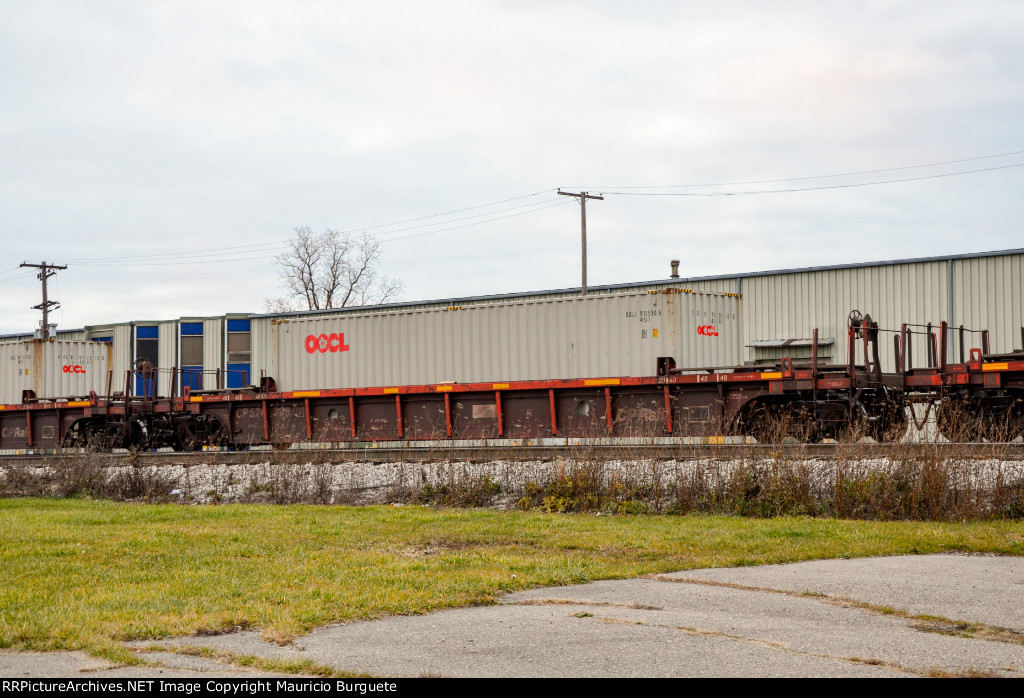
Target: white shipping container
(570,337)
(53,369)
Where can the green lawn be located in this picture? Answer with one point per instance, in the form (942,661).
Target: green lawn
(81,574)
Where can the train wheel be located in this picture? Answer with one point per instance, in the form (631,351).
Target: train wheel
(188,438)
(136,436)
(76,437)
(831,421)
(199,432)
(98,439)
(776,424)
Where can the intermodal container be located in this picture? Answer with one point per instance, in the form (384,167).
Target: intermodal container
(620,334)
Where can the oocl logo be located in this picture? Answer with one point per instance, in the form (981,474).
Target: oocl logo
(707,331)
(324,343)
(73,369)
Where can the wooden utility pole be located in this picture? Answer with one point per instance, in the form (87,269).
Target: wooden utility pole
(583,196)
(45,272)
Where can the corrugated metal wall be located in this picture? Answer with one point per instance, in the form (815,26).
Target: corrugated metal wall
(787,306)
(988,293)
(123,355)
(573,337)
(168,356)
(53,369)
(213,346)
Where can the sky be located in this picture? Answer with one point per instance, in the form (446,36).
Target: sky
(166,151)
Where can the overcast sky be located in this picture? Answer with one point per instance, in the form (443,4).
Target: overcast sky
(132,130)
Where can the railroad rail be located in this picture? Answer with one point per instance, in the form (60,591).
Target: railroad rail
(505,452)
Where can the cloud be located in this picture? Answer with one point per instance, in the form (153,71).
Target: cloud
(133,129)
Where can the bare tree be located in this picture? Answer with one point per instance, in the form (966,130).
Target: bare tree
(331,270)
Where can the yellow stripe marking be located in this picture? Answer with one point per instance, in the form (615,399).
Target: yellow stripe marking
(390,391)
(195,398)
(79,403)
(716,440)
(994,367)
(443,388)
(771,376)
(3,407)
(499,386)
(307,393)
(602,381)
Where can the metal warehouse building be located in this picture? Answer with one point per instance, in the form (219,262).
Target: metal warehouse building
(699,321)
(779,309)
(979,291)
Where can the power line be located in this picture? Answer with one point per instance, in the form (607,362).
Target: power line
(281,244)
(133,261)
(17,278)
(170,257)
(162,263)
(796,189)
(235,248)
(478,215)
(457,227)
(447,213)
(828,176)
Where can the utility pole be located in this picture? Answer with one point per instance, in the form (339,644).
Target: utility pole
(45,272)
(583,196)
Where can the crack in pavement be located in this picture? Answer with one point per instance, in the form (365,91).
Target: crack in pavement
(931,671)
(921,622)
(575,602)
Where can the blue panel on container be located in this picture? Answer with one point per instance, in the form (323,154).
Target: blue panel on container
(144,386)
(239,376)
(191,328)
(147,332)
(238,325)
(192,376)
(103,339)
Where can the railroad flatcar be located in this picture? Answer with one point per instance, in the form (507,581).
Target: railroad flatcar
(807,400)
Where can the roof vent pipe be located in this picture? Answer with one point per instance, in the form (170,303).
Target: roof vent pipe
(675,269)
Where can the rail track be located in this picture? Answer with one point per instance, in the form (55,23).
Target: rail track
(506,452)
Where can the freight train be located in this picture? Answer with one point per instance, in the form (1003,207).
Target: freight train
(980,396)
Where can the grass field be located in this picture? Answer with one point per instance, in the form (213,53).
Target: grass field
(84,574)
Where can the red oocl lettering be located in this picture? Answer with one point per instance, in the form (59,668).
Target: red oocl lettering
(333,342)
(707,331)
(338,342)
(73,369)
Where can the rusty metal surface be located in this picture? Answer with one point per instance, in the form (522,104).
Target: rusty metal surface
(513,450)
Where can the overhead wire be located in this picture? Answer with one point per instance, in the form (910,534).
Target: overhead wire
(174,261)
(478,215)
(251,252)
(560,202)
(17,278)
(827,176)
(281,244)
(797,189)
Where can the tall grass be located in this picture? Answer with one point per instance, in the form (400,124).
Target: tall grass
(914,481)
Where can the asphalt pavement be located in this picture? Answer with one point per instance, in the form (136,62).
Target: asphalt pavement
(909,616)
